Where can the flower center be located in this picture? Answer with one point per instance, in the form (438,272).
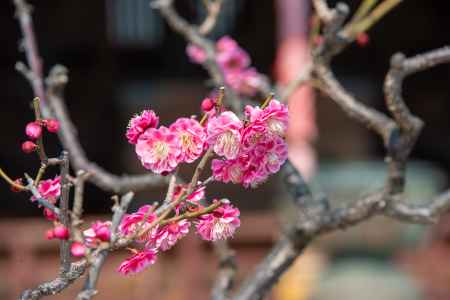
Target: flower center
(161,150)
(235,174)
(186,140)
(228,142)
(275,126)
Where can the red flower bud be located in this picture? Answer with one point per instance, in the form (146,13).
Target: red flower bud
(49,235)
(33,130)
(29,147)
(52,125)
(362,39)
(61,232)
(15,189)
(49,214)
(77,249)
(207,104)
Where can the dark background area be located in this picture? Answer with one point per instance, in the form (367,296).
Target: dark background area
(105,66)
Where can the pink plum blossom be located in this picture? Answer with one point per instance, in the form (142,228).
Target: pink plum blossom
(224,134)
(138,262)
(227,170)
(139,123)
(274,116)
(192,136)
(49,189)
(196,54)
(225,44)
(246,81)
(234,60)
(167,236)
(220,224)
(130,222)
(159,149)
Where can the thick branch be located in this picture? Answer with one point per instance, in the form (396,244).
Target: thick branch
(58,284)
(226,273)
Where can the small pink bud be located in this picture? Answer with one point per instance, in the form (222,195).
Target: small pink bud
(52,125)
(77,249)
(15,189)
(49,235)
(33,130)
(207,104)
(29,147)
(49,214)
(61,232)
(362,39)
(103,233)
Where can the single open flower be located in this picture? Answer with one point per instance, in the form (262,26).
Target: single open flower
(159,149)
(220,224)
(192,136)
(167,236)
(131,222)
(224,134)
(139,123)
(138,262)
(49,189)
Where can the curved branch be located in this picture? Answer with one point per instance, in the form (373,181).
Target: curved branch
(68,135)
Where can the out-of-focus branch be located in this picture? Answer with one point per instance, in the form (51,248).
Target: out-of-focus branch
(303,77)
(399,136)
(194,36)
(56,82)
(226,273)
(89,289)
(29,44)
(213,9)
(58,284)
(68,136)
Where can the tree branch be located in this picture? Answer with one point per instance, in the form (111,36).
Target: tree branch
(56,82)
(89,289)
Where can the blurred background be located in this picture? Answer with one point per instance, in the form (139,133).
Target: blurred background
(122,58)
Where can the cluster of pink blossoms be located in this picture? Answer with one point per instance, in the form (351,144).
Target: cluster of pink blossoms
(251,150)
(248,152)
(220,224)
(235,65)
(162,149)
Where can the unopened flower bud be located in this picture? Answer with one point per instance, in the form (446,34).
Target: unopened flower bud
(61,232)
(14,188)
(77,249)
(52,125)
(49,214)
(29,147)
(207,104)
(362,39)
(49,235)
(33,130)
